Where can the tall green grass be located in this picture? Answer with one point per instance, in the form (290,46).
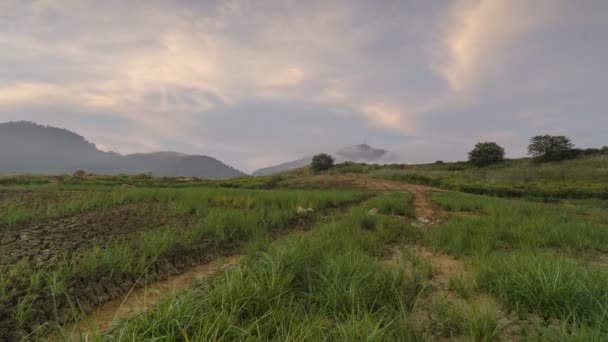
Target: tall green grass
(583,177)
(189,200)
(549,286)
(398,203)
(527,255)
(504,224)
(323,286)
(225,218)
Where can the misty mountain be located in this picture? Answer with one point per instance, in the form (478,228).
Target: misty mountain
(26,147)
(355,153)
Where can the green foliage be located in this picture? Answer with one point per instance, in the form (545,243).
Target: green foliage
(516,225)
(322,162)
(479,322)
(486,153)
(550,147)
(549,286)
(322,286)
(583,177)
(397,203)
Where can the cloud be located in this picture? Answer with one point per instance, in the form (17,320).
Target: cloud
(261,81)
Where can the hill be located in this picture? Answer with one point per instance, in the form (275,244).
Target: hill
(355,153)
(26,147)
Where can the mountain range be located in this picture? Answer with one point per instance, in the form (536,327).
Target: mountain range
(355,153)
(27,147)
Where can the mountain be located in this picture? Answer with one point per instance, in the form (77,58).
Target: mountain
(283,167)
(26,147)
(355,153)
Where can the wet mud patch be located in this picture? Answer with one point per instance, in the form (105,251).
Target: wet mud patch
(39,199)
(41,244)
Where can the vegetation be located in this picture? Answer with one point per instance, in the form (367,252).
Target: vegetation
(323,286)
(486,153)
(372,266)
(321,162)
(535,258)
(550,147)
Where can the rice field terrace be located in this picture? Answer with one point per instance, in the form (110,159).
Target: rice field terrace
(315,258)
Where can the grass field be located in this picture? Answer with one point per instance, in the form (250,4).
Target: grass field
(583,177)
(370,260)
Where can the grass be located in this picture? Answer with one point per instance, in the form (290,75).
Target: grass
(539,255)
(506,224)
(398,203)
(533,258)
(583,177)
(325,285)
(548,286)
(476,321)
(224,218)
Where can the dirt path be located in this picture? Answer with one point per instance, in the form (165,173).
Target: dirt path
(425,210)
(140,299)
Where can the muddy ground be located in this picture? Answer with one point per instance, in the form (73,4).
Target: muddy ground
(37,200)
(43,243)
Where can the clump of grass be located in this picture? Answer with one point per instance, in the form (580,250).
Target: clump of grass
(548,286)
(462,286)
(23,307)
(420,266)
(476,321)
(516,225)
(397,203)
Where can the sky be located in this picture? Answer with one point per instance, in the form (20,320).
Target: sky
(256,83)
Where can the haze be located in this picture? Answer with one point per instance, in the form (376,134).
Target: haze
(256,83)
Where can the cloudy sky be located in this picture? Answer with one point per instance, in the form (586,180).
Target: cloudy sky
(255,83)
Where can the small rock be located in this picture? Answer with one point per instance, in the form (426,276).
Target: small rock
(424,220)
(373,211)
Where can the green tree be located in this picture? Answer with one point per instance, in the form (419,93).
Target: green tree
(550,147)
(322,161)
(486,153)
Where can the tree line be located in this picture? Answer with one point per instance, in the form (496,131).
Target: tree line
(542,148)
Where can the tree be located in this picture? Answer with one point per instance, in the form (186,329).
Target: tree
(322,161)
(486,153)
(550,147)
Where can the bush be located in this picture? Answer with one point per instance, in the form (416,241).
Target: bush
(486,153)
(551,148)
(79,174)
(322,162)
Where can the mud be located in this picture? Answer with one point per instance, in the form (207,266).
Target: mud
(83,294)
(139,300)
(43,243)
(39,200)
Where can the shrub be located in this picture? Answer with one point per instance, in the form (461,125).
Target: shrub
(79,174)
(486,153)
(551,147)
(321,162)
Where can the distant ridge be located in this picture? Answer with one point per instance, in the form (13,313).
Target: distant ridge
(27,147)
(355,153)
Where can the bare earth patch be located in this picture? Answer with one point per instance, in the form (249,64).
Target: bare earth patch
(141,299)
